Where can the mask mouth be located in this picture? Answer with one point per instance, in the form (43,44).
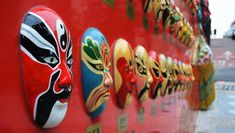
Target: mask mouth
(63,97)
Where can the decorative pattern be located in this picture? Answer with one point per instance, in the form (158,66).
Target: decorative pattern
(124,77)
(46,57)
(143,76)
(95,70)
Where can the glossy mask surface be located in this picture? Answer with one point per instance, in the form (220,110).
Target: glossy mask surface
(159,7)
(124,77)
(155,87)
(170,80)
(46,55)
(143,76)
(205,55)
(95,70)
(165,74)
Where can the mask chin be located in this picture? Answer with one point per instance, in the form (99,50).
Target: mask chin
(57,114)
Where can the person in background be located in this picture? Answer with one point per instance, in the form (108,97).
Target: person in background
(206,20)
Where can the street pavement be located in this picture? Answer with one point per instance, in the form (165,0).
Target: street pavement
(220,117)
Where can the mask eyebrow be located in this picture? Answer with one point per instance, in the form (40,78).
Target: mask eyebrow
(36,38)
(39,25)
(69,51)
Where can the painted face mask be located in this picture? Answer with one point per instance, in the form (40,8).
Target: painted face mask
(192,78)
(177,76)
(46,55)
(181,76)
(205,55)
(96,78)
(124,77)
(159,8)
(143,76)
(170,80)
(155,87)
(165,74)
(148,5)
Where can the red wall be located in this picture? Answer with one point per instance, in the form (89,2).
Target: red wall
(78,15)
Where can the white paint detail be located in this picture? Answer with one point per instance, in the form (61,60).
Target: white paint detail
(36,38)
(52,33)
(57,114)
(60,31)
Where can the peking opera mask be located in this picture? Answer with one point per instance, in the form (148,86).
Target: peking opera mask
(163,67)
(124,77)
(143,76)
(95,70)
(155,87)
(171,77)
(46,57)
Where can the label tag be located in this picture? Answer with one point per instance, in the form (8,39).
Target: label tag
(141,115)
(145,22)
(130,9)
(94,128)
(153,109)
(122,123)
(109,2)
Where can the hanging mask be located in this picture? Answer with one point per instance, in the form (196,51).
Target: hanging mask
(155,87)
(124,76)
(95,65)
(159,8)
(205,55)
(46,57)
(143,76)
(170,80)
(176,76)
(165,74)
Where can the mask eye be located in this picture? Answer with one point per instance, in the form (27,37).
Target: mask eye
(141,69)
(156,72)
(51,60)
(99,67)
(70,62)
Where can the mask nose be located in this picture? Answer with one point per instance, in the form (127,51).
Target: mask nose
(149,80)
(65,78)
(108,81)
(132,77)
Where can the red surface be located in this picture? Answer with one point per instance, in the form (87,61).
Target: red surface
(78,15)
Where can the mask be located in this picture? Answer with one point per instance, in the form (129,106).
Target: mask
(165,74)
(155,87)
(177,77)
(95,70)
(143,76)
(205,55)
(171,76)
(159,8)
(124,77)
(46,55)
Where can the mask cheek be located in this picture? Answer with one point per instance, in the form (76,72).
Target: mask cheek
(140,82)
(35,79)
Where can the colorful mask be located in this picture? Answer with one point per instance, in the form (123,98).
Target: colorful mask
(165,74)
(205,55)
(159,8)
(124,77)
(96,78)
(155,87)
(171,76)
(148,5)
(177,76)
(46,57)
(171,18)
(143,76)
(181,75)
